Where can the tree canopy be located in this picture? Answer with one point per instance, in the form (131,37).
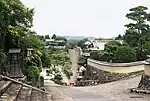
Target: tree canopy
(15,21)
(138,32)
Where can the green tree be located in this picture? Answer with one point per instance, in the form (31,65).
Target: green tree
(125,54)
(54,36)
(16,20)
(137,33)
(119,37)
(81,43)
(47,37)
(112,46)
(46,58)
(109,50)
(31,41)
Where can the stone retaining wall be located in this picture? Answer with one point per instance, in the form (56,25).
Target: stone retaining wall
(95,76)
(117,67)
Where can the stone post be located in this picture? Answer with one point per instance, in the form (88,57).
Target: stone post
(145,79)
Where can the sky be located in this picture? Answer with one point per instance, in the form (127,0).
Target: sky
(92,18)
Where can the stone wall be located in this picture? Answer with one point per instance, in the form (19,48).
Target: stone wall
(117,67)
(95,76)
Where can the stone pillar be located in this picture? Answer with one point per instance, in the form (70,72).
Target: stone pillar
(145,79)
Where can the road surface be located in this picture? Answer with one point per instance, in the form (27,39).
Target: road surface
(74,55)
(114,91)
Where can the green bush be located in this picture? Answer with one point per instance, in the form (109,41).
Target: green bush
(58,77)
(34,60)
(3,62)
(125,54)
(33,74)
(41,81)
(58,81)
(82,60)
(93,55)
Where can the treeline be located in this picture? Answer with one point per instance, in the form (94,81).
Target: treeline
(114,51)
(16,21)
(136,39)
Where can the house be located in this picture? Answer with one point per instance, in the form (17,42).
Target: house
(99,43)
(55,43)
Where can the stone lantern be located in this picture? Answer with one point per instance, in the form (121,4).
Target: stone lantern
(15,63)
(30,51)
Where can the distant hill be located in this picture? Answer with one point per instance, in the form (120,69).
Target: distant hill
(74,39)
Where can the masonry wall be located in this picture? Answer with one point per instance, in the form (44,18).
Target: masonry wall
(104,73)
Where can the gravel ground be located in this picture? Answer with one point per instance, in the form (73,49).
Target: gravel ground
(118,90)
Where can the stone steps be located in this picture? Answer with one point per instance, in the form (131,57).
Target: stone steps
(36,96)
(25,94)
(4,85)
(12,90)
(11,93)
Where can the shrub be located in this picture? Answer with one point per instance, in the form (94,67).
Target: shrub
(125,54)
(33,74)
(41,81)
(3,62)
(57,81)
(58,77)
(82,60)
(94,55)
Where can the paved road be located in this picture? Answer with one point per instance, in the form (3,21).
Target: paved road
(74,59)
(61,93)
(114,91)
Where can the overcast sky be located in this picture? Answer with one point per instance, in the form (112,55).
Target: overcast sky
(99,18)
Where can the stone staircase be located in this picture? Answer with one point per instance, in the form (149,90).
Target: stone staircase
(13,90)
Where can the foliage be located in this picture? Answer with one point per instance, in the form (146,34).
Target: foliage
(111,46)
(46,58)
(16,21)
(57,81)
(47,37)
(33,74)
(54,36)
(81,43)
(82,60)
(119,37)
(125,54)
(41,81)
(31,41)
(137,33)
(34,60)
(61,38)
(33,68)
(67,70)
(94,55)
(58,77)
(115,52)
(3,62)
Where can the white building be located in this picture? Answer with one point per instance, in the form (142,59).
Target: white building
(99,43)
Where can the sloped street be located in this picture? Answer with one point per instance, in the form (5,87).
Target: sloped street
(114,91)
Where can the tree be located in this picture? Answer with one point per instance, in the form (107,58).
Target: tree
(16,20)
(47,37)
(81,43)
(137,33)
(112,46)
(125,54)
(46,58)
(119,37)
(31,41)
(54,36)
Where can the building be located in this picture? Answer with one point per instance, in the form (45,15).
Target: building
(99,43)
(55,43)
